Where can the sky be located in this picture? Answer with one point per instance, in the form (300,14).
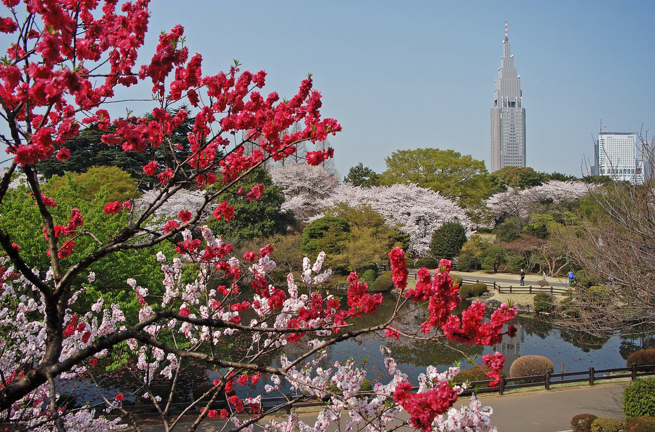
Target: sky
(416,74)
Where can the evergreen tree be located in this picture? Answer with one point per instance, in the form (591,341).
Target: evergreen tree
(362,176)
(255,218)
(448,240)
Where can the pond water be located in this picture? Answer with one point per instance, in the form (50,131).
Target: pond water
(568,350)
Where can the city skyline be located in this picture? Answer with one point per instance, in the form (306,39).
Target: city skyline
(507,115)
(417,74)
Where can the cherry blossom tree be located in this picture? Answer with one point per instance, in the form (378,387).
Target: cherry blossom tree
(304,186)
(65,63)
(519,203)
(413,210)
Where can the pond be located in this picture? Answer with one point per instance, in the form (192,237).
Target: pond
(568,350)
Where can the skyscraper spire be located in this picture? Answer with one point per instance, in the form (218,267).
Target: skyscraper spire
(507,115)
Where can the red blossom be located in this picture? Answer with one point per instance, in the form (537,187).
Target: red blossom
(119,397)
(150,169)
(212,414)
(170,226)
(224,414)
(64,154)
(184,215)
(224,210)
(112,208)
(184,312)
(93,362)
(243,380)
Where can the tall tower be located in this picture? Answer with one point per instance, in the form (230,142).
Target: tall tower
(507,115)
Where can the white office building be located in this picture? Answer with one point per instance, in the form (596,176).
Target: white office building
(507,115)
(618,156)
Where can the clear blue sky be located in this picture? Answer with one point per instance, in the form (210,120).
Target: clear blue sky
(410,74)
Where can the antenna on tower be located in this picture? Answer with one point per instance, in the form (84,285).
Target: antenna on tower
(505,30)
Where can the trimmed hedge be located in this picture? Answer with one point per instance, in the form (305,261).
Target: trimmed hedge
(383,283)
(544,302)
(465,291)
(369,276)
(639,398)
(641,358)
(428,262)
(640,424)
(606,425)
(478,289)
(530,365)
(582,422)
(542,283)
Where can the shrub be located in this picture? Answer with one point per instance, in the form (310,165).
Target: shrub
(366,385)
(640,424)
(476,373)
(597,295)
(464,262)
(457,279)
(369,276)
(642,358)
(530,365)
(465,291)
(478,289)
(447,241)
(639,398)
(582,422)
(383,283)
(606,425)
(428,262)
(542,283)
(544,303)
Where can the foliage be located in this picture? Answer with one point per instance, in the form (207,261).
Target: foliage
(445,171)
(582,422)
(639,398)
(473,374)
(514,177)
(509,230)
(118,184)
(88,150)
(542,283)
(447,241)
(427,262)
(457,279)
(382,283)
(643,357)
(640,424)
(602,424)
(369,276)
(477,289)
(514,262)
(465,291)
(325,234)
(472,253)
(254,218)
(531,365)
(493,257)
(360,175)
(544,302)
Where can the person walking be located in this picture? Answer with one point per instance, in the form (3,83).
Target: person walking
(522,277)
(544,278)
(569,281)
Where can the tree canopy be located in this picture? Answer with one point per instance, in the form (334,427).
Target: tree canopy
(448,240)
(445,171)
(360,175)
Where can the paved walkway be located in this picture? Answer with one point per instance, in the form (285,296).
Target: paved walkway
(542,411)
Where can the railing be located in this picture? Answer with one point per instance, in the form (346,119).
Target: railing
(590,376)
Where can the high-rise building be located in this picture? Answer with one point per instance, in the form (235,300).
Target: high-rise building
(507,115)
(618,156)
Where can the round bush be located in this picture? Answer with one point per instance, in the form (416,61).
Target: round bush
(366,385)
(542,283)
(465,291)
(478,289)
(582,422)
(369,276)
(383,283)
(530,365)
(428,262)
(641,358)
(640,424)
(456,279)
(639,398)
(544,302)
(606,425)
(464,262)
